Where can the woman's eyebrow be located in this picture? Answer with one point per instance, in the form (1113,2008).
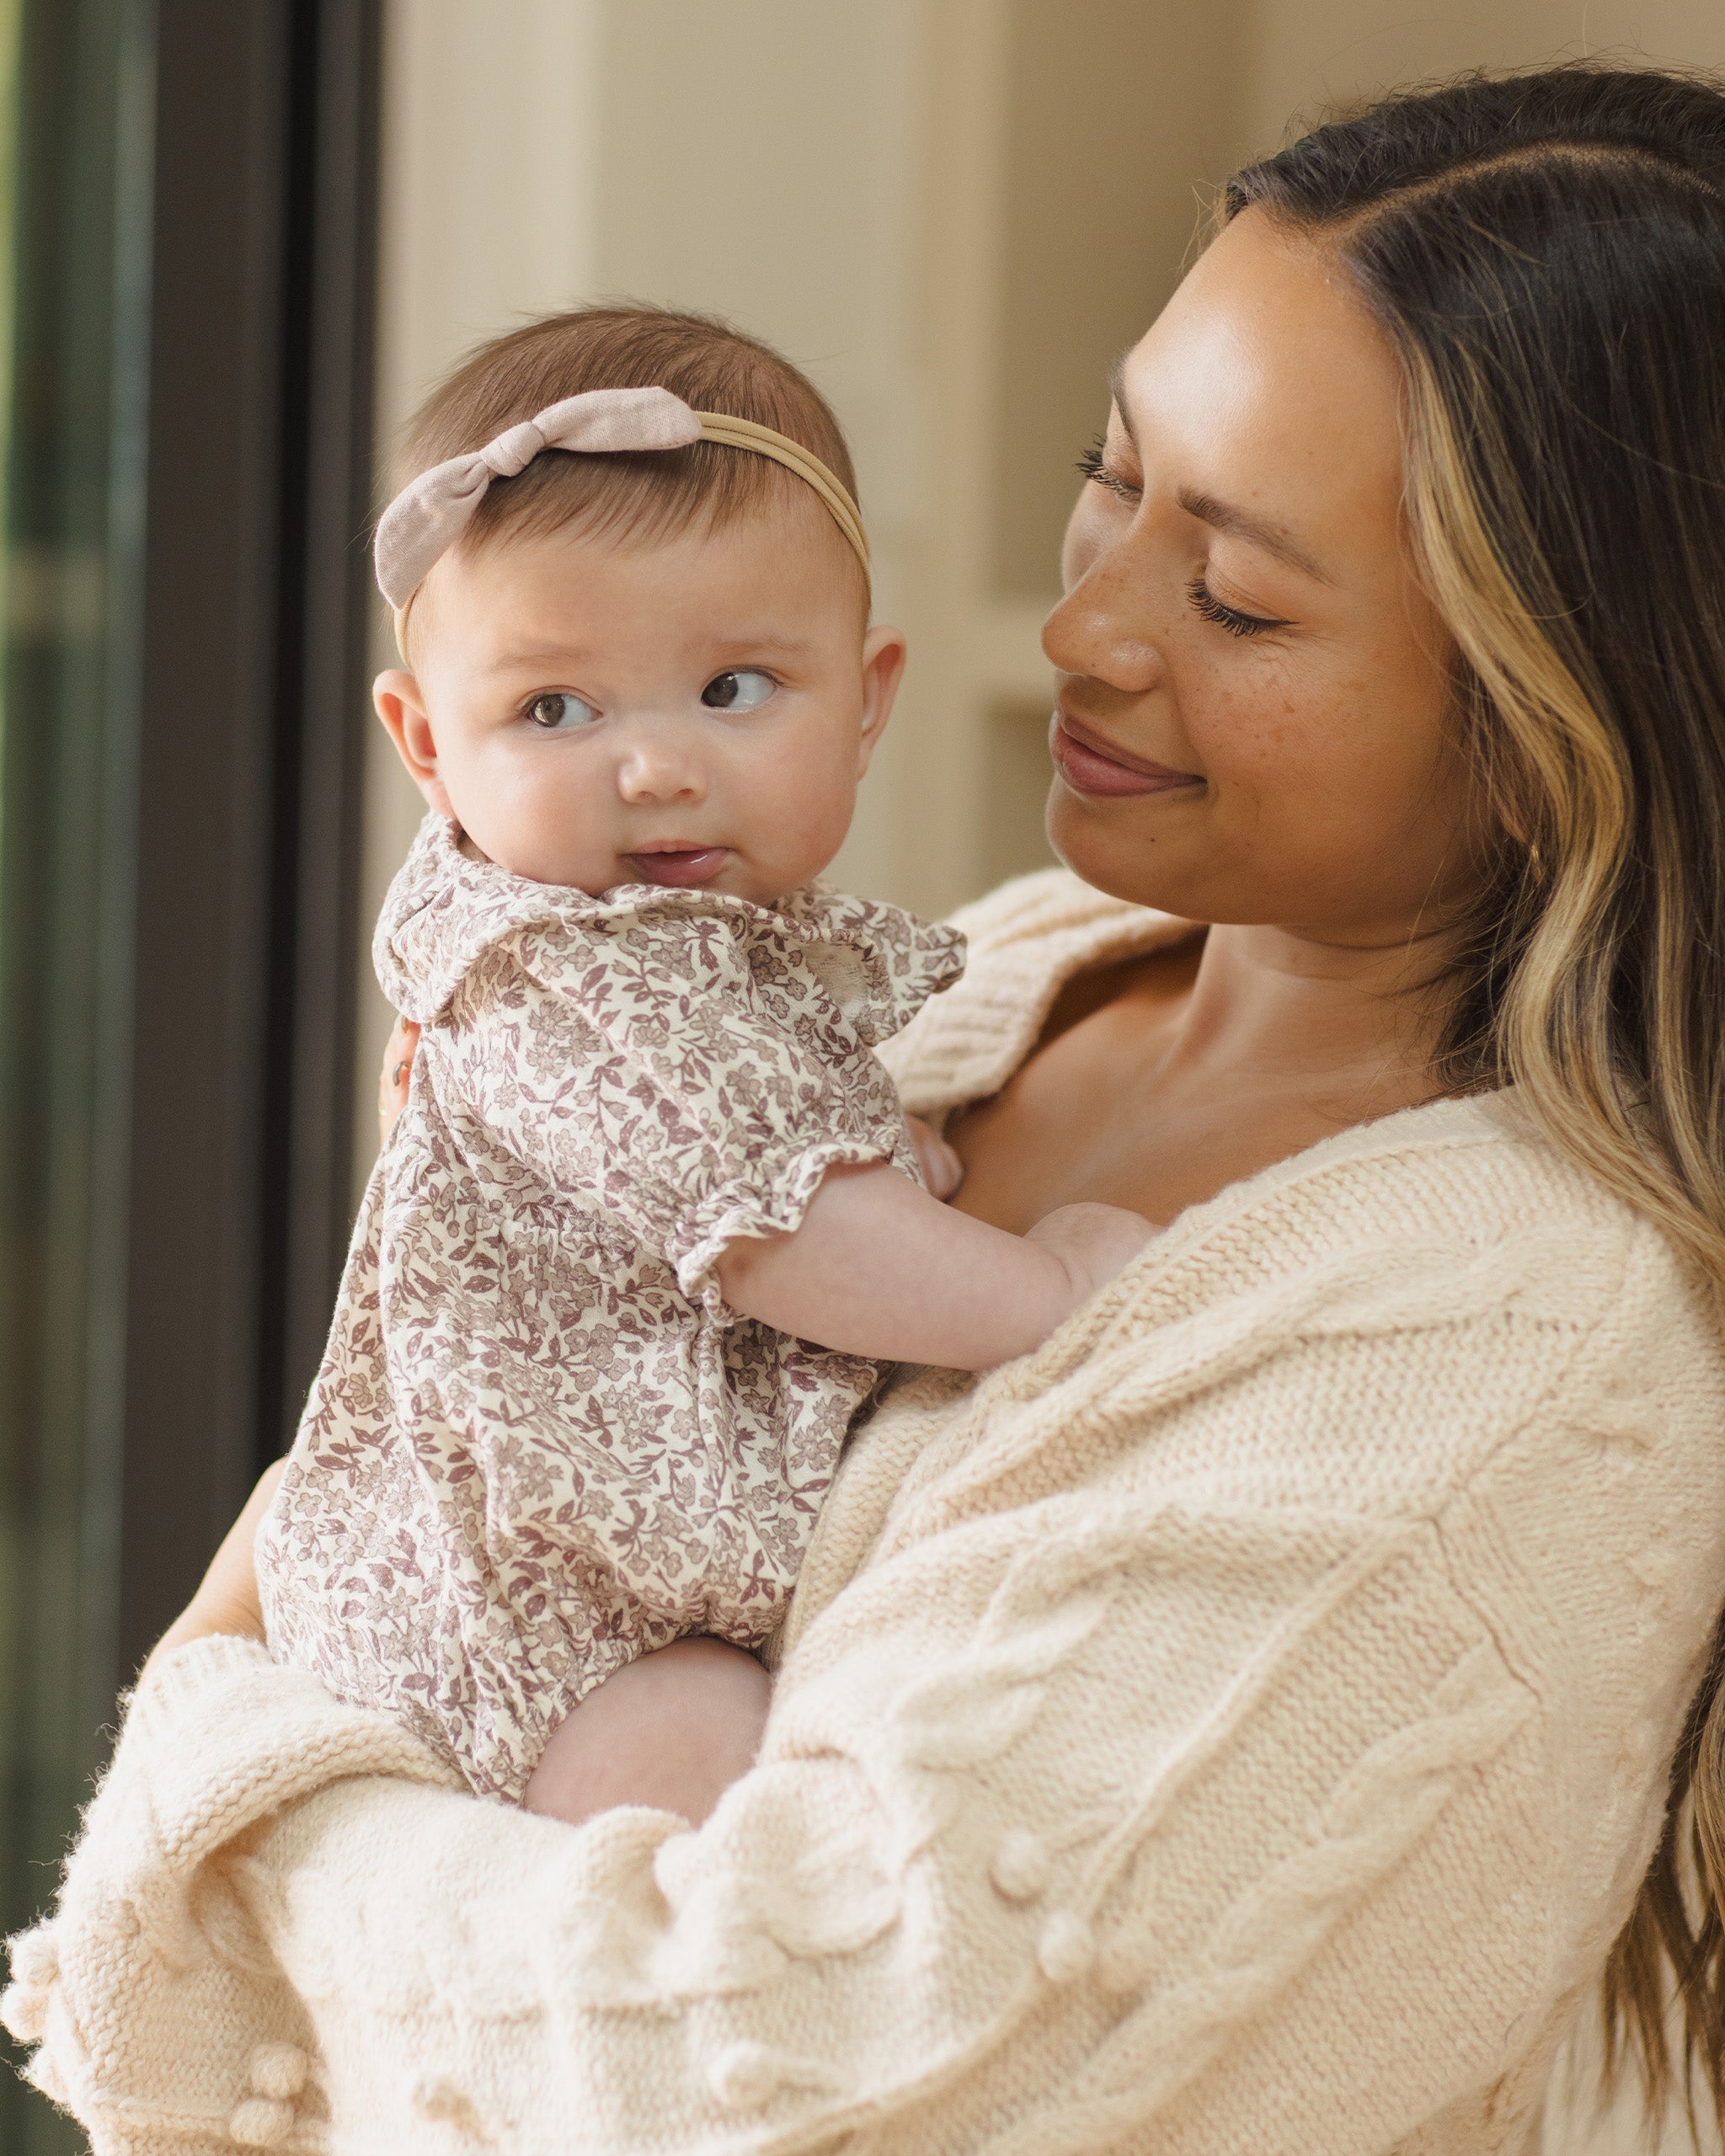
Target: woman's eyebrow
(1223,516)
(1220,515)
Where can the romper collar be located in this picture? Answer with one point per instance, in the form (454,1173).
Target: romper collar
(877,964)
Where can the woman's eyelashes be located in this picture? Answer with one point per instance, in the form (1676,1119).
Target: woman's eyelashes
(1094,465)
(1237,624)
(558,710)
(743,689)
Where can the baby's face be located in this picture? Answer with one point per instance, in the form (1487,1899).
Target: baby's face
(696,711)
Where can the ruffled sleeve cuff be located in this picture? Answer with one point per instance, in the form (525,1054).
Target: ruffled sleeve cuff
(774,1202)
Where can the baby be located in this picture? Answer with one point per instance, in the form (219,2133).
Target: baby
(653,1217)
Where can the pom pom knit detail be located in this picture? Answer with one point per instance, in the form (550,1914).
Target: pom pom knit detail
(278,2072)
(1066,1948)
(1021,1866)
(745,2075)
(260,2123)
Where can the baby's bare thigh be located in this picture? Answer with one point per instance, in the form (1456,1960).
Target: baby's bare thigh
(672,1730)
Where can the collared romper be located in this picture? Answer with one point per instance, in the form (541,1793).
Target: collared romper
(540,1444)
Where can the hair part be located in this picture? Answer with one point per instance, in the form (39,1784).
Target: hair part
(1547,254)
(647,498)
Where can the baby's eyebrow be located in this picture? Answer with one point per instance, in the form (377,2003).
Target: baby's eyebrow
(512,662)
(723,651)
(769,643)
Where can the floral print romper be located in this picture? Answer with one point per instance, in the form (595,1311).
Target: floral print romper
(539,1444)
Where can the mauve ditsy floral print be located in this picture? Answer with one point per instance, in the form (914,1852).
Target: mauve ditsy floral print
(539,1446)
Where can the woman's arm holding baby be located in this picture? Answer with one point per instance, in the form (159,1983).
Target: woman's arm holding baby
(879,1268)
(227,1602)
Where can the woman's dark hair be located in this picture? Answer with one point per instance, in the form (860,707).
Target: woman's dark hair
(1547,254)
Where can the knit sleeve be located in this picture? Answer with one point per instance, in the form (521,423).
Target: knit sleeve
(1247,1734)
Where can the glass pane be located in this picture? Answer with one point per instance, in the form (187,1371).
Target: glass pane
(75,167)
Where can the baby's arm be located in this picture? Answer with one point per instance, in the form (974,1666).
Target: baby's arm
(878,1268)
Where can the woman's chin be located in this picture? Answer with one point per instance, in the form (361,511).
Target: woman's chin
(1114,848)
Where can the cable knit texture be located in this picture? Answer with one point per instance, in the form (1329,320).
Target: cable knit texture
(1240,1727)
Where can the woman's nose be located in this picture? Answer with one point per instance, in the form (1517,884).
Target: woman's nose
(1103,628)
(658,765)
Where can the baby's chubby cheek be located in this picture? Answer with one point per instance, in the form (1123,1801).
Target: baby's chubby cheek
(550,833)
(795,818)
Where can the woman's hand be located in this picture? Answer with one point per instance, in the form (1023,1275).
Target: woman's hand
(392,1078)
(227,1599)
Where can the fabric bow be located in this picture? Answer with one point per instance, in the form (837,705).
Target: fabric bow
(427,518)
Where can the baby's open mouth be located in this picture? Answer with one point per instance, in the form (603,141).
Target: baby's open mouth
(679,864)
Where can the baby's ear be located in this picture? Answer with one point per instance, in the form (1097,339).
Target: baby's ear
(883,669)
(397,701)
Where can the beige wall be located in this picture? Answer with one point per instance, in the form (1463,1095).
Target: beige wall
(1302,51)
(952,212)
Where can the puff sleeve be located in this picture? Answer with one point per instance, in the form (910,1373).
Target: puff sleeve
(694,1071)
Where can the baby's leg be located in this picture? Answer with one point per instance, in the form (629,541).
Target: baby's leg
(673,1730)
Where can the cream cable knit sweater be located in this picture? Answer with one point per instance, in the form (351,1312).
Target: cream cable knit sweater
(1239,1727)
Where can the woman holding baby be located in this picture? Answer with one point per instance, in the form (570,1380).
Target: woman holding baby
(1266,1714)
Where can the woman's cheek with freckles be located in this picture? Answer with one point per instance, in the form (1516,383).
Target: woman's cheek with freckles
(1259,738)
(1283,715)
(1241,716)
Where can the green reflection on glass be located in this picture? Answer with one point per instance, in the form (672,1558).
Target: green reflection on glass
(76,97)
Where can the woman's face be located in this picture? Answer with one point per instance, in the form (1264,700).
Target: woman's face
(1251,719)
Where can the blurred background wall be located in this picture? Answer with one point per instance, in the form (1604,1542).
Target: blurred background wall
(952,213)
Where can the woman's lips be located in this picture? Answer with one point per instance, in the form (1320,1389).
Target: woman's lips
(679,864)
(1088,767)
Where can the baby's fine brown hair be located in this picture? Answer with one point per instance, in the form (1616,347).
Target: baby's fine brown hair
(652,495)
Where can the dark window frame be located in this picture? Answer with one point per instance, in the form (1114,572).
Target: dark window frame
(256,620)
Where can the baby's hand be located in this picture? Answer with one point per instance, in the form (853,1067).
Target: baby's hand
(943,1170)
(1093,1242)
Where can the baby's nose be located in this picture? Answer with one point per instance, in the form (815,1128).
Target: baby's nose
(657,767)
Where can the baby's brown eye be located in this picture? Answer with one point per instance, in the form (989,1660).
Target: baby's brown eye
(746,690)
(557,712)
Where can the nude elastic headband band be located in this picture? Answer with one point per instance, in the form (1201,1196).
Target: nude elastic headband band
(428,516)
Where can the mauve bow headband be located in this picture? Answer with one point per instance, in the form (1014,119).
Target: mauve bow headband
(428,516)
